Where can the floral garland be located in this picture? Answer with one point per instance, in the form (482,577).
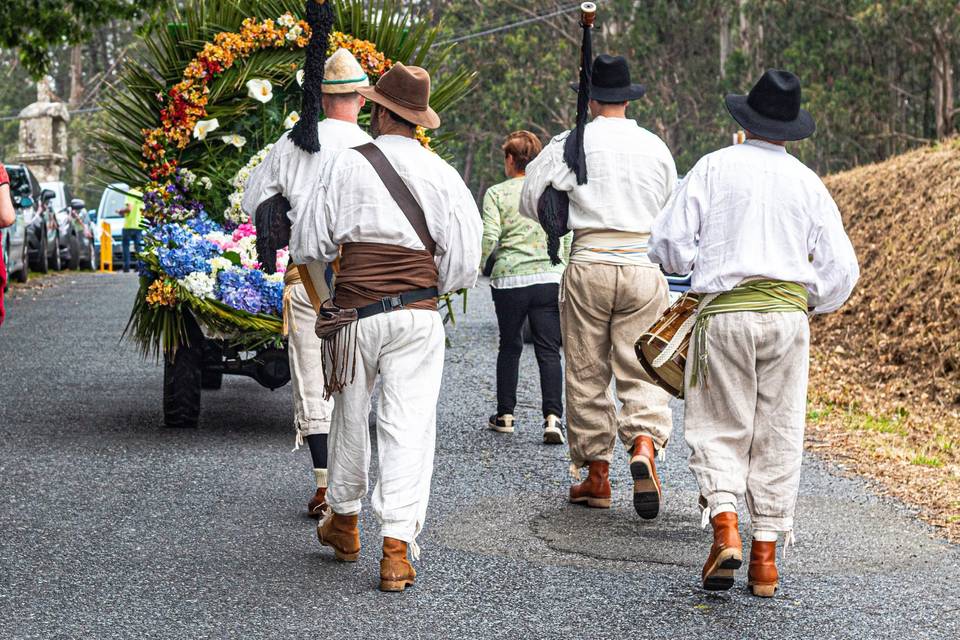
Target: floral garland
(187,100)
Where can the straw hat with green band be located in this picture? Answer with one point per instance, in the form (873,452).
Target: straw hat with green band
(343,74)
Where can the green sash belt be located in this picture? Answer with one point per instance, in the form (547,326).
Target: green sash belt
(759,296)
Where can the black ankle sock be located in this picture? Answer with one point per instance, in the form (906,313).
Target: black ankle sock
(318,450)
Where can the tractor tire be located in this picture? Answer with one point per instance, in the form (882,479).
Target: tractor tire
(74,247)
(212,357)
(182,375)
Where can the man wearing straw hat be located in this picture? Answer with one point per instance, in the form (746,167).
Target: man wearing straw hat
(410,230)
(611,292)
(293,173)
(766,245)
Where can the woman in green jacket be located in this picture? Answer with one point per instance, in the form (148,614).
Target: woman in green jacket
(525,285)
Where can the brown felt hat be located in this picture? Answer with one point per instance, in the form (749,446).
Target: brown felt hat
(406,92)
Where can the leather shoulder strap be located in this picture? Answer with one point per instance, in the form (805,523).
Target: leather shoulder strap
(400,192)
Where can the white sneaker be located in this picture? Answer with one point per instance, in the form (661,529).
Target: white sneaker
(501,424)
(553,430)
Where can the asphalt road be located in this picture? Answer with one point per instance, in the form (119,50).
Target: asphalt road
(113,527)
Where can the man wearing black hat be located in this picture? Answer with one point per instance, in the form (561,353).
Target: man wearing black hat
(766,246)
(611,292)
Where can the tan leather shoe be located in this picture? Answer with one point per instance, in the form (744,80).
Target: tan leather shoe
(317,506)
(340,533)
(396,572)
(763,578)
(646,484)
(595,490)
(726,554)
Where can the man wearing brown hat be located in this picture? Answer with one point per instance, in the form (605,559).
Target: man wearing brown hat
(611,291)
(292,172)
(766,246)
(409,230)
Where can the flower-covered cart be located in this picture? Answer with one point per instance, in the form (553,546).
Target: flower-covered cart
(213,89)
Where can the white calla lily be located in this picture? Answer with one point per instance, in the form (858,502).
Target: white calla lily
(291,120)
(260,90)
(204,127)
(236,140)
(300,75)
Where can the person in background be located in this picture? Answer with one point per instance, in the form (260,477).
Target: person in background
(7,218)
(525,285)
(132,232)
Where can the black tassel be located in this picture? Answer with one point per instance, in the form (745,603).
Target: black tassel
(573,153)
(553,210)
(273,230)
(320,17)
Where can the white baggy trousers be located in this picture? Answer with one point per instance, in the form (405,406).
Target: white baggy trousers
(745,425)
(406,347)
(311,411)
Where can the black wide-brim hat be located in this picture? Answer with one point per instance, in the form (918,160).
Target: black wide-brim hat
(610,81)
(772,108)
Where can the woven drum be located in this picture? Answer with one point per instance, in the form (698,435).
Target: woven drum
(662,350)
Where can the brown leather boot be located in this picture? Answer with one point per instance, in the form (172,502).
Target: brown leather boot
(340,533)
(396,572)
(726,554)
(646,484)
(595,490)
(763,578)
(317,506)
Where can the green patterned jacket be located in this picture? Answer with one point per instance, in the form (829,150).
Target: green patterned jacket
(520,243)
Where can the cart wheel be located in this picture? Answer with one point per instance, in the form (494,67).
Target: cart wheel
(181,383)
(212,376)
(211,380)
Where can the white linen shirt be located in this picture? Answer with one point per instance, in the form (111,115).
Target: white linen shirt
(295,173)
(753,210)
(353,205)
(630,176)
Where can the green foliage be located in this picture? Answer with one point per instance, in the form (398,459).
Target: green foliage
(34,28)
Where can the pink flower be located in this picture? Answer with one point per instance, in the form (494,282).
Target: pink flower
(245,230)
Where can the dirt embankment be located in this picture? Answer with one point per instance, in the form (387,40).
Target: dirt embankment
(885,371)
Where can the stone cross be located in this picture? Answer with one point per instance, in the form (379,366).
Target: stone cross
(43,134)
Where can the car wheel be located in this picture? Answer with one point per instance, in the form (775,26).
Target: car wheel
(24,264)
(182,375)
(92,257)
(73,245)
(43,260)
(57,262)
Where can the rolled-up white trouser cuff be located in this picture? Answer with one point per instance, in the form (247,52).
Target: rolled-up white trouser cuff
(714,500)
(348,508)
(398,532)
(313,427)
(770,523)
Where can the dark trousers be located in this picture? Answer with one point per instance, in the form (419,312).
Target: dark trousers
(538,302)
(135,236)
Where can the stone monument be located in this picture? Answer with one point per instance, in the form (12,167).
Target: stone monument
(43,134)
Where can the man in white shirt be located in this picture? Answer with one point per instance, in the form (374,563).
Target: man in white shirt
(395,261)
(766,244)
(611,291)
(294,173)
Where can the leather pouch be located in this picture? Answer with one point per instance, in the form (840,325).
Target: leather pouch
(331,318)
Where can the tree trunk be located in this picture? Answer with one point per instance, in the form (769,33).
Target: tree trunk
(76,76)
(943,100)
(724,20)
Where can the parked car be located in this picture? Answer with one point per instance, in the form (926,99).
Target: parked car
(114,198)
(66,221)
(42,229)
(13,242)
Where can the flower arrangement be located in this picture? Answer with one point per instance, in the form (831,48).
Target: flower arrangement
(186,102)
(201,128)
